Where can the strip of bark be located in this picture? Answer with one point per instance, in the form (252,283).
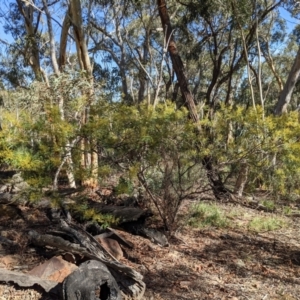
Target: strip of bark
(26,280)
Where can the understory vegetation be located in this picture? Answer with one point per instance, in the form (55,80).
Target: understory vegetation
(170,129)
(165,101)
(157,152)
(210,215)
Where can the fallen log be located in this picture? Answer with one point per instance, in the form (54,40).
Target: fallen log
(129,280)
(133,220)
(123,213)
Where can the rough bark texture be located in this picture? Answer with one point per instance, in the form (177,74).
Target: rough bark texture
(177,62)
(133,220)
(212,174)
(286,94)
(91,281)
(129,280)
(217,185)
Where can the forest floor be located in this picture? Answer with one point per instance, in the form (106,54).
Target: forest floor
(248,258)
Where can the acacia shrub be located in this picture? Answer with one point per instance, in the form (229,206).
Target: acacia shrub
(156,150)
(35,133)
(268,145)
(152,148)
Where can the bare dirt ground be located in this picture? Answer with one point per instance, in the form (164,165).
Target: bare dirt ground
(200,263)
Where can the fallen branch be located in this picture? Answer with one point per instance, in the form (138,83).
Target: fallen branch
(129,280)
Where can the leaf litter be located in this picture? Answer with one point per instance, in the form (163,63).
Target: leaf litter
(200,263)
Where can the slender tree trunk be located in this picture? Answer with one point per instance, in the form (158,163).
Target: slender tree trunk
(271,65)
(216,182)
(248,67)
(126,96)
(122,59)
(52,40)
(64,39)
(208,162)
(177,62)
(67,149)
(89,159)
(142,75)
(286,94)
(242,179)
(259,73)
(268,57)
(33,55)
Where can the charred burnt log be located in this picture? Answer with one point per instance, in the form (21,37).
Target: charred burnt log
(93,281)
(133,220)
(129,281)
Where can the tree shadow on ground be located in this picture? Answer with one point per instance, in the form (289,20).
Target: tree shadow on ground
(259,255)
(231,265)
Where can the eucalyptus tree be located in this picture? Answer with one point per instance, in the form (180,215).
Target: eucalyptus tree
(108,33)
(227,32)
(127,33)
(289,86)
(177,61)
(286,93)
(22,23)
(48,60)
